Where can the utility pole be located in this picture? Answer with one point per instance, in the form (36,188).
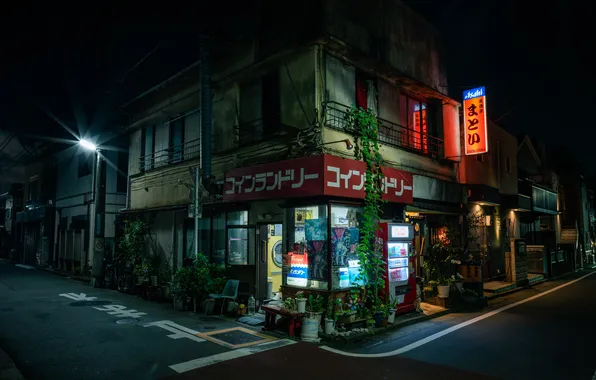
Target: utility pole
(98,234)
(197,205)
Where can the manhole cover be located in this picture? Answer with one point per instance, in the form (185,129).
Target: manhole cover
(208,327)
(90,303)
(127,321)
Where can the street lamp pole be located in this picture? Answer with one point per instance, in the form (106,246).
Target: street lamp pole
(100,224)
(97,236)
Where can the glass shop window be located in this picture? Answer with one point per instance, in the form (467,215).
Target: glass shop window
(345,236)
(238,218)
(306,264)
(241,240)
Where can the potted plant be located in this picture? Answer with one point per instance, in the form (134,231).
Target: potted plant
(330,319)
(312,319)
(314,308)
(184,286)
(141,271)
(241,310)
(289,304)
(392,309)
(378,315)
(385,310)
(300,302)
(443,285)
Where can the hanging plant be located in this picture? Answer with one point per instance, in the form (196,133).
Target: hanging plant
(364,125)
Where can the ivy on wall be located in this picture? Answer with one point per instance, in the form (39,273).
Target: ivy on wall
(364,125)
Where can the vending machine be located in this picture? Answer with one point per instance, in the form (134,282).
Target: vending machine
(400,277)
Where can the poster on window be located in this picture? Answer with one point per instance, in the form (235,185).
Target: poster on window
(343,244)
(317,263)
(298,275)
(315,229)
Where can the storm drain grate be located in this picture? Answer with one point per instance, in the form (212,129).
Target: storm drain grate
(128,321)
(209,319)
(90,303)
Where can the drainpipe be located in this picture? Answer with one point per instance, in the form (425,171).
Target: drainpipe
(206,110)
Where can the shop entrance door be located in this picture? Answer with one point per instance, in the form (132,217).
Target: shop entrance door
(262,261)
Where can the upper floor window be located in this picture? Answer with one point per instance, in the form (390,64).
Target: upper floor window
(148,148)
(176,140)
(416,123)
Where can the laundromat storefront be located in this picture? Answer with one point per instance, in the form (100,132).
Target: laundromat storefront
(321,199)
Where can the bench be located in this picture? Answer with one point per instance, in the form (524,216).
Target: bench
(272,311)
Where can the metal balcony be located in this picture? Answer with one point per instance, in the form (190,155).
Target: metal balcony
(175,154)
(392,134)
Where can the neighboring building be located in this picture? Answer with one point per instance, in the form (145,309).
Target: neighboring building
(12,204)
(35,225)
(494,200)
(542,225)
(75,200)
(279,158)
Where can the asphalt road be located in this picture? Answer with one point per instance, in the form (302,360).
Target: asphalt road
(55,337)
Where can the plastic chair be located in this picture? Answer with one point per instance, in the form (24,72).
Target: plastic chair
(230,293)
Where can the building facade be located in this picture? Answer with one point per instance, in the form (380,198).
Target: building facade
(278,130)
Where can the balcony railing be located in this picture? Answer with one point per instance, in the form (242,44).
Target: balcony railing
(247,133)
(389,133)
(189,150)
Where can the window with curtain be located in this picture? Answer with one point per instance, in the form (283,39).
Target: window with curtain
(148,148)
(176,140)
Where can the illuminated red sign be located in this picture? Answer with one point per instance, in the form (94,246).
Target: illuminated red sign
(476,137)
(312,176)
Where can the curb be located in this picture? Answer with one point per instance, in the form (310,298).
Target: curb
(389,328)
(491,297)
(8,370)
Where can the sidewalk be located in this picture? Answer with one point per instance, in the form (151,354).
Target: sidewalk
(8,370)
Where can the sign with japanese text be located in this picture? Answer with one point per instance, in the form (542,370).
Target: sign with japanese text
(313,176)
(476,136)
(420,126)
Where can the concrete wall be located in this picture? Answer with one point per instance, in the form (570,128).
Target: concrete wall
(340,87)
(393,34)
(491,168)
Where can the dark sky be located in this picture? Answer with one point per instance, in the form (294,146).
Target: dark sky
(534,61)
(533,58)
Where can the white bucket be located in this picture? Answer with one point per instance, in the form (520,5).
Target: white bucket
(301,302)
(329,326)
(310,330)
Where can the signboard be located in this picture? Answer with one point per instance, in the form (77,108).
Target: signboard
(421,126)
(476,137)
(399,232)
(311,176)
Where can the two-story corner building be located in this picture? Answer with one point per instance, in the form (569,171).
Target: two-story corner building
(282,150)
(34,228)
(493,199)
(75,201)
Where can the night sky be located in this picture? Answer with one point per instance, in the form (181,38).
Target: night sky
(533,61)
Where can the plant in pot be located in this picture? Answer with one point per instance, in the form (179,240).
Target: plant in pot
(184,286)
(330,318)
(300,302)
(378,312)
(142,271)
(312,319)
(444,284)
(289,304)
(392,308)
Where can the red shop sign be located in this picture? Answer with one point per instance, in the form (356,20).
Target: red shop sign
(312,176)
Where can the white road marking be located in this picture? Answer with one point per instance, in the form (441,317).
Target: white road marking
(451,329)
(24,266)
(178,331)
(234,354)
(119,311)
(77,297)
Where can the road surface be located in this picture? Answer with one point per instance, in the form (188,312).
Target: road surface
(55,328)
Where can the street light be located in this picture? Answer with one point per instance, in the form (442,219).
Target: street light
(97,214)
(87,145)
